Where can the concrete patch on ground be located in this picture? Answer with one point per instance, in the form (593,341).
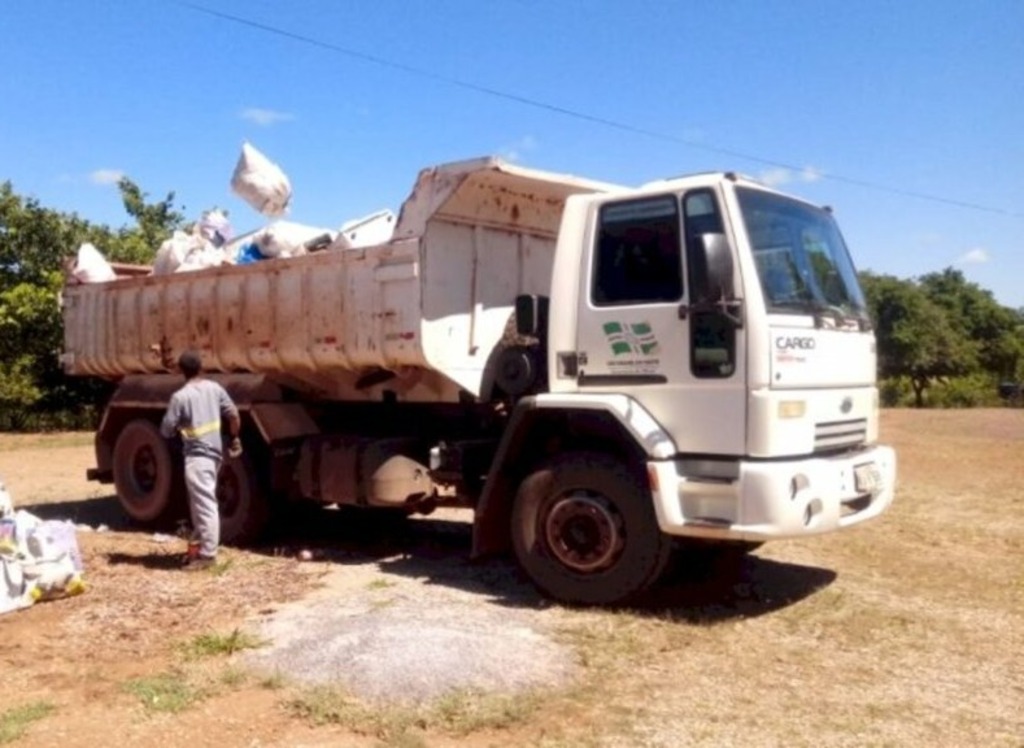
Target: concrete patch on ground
(405,640)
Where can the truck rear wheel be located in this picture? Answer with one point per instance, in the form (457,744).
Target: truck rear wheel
(584,530)
(145,474)
(242,501)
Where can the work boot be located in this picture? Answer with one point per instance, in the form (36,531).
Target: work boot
(199,563)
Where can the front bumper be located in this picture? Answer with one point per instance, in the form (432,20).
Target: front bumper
(775,499)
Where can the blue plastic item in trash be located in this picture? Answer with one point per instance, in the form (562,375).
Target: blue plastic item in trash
(248,253)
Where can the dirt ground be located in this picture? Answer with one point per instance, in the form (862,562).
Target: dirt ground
(908,631)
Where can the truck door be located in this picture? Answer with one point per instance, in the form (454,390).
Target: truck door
(639,332)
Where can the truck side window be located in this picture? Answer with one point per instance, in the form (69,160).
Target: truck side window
(712,335)
(638,258)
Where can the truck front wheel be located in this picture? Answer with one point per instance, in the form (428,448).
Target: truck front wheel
(144,474)
(584,530)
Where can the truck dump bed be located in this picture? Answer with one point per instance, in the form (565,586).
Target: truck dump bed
(418,315)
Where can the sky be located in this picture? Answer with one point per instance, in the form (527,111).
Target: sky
(906,117)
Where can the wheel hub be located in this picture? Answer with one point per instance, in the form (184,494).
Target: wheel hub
(584,532)
(144,469)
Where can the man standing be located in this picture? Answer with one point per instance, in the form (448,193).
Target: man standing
(195,413)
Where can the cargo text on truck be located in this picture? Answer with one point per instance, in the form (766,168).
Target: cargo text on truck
(599,372)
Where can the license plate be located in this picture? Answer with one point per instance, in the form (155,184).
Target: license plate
(868,478)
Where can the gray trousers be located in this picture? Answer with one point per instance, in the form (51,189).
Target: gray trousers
(201,482)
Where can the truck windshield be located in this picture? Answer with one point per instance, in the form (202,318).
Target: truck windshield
(801,259)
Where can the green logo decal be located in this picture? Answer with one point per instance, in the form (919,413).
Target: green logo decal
(636,338)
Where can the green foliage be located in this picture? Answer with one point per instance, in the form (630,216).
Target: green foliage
(211,645)
(971,391)
(940,330)
(169,692)
(155,221)
(36,244)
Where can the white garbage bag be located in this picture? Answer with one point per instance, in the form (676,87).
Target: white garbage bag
(186,252)
(12,585)
(261,183)
(215,227)
(287,239)
(6,503)
(91,266)
(173,252)
(203,256)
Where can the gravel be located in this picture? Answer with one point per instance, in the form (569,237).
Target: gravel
(403,639)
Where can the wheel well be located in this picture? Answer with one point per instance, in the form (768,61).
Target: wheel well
(534,437)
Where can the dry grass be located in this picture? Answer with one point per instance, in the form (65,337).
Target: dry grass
(908,631)
(55,440)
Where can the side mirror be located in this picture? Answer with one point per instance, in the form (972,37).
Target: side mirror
(531,315)
(717,282)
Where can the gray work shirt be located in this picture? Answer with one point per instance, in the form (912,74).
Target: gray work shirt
(195,412)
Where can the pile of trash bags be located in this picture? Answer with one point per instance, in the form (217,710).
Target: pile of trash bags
(211,242)
(39,559)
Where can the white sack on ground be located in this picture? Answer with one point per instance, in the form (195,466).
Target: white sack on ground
(261,183)
(91,266)
(6,504)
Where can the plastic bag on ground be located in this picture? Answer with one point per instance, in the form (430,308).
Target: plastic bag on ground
(6,503)
(42,563)
(261,183)
(91,266)
(12,585)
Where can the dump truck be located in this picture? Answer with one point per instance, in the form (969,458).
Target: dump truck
(602,374)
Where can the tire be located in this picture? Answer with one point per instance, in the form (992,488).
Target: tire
(585,532)
(242,502)
(147,475)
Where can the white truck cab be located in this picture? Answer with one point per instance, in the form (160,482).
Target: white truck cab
(722,325)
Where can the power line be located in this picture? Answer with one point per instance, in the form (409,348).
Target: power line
(584,116)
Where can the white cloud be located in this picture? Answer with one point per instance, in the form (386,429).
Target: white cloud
(974,256)
(265,117)
(515,151)
(810,174)
(105,177)
(779,176)
(775,177)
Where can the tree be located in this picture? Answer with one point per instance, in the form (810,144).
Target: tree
(35,243)
(996,329)
(156,221)
(916,338)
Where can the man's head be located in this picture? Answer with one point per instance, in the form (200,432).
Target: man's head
(190,363)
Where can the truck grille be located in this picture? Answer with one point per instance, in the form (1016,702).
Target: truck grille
(840,434)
